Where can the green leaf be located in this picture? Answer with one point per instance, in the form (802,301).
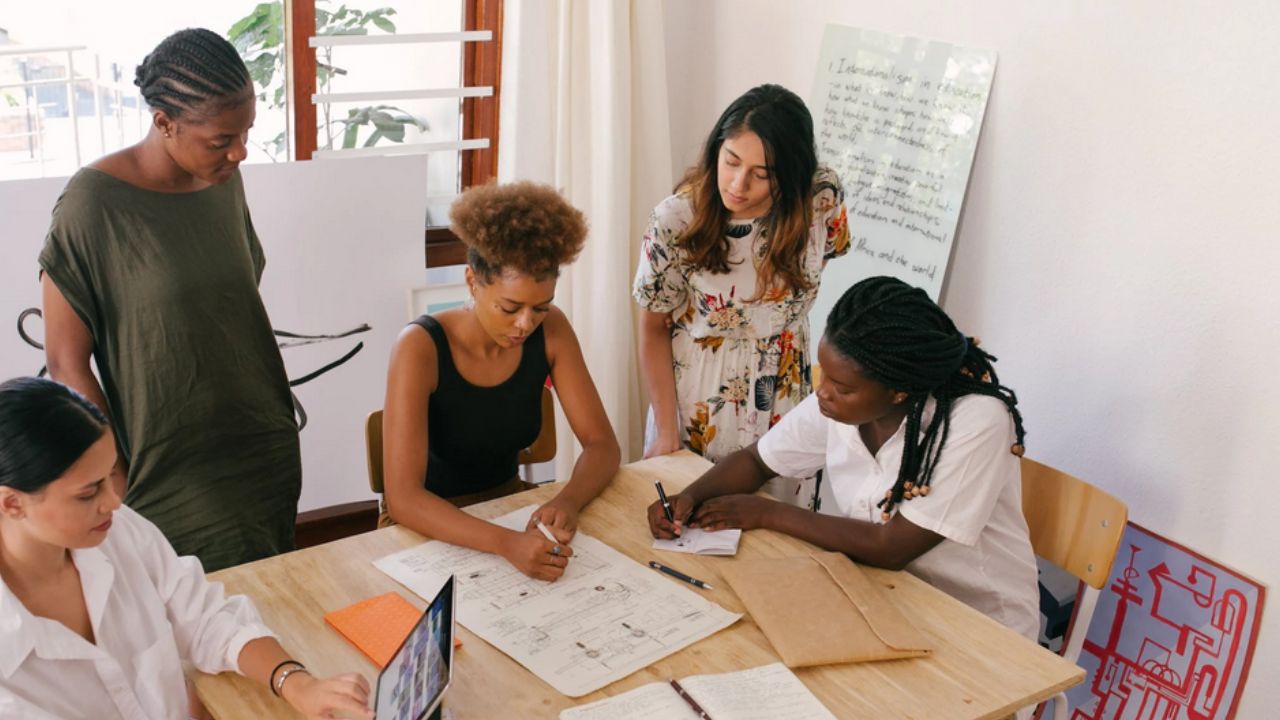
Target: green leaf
(349,136)
(384,24)
(374,137)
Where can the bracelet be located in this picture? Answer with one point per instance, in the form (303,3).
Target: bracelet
(284,675)
(275,684)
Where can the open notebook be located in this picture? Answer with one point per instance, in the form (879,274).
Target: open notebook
(769,692)
(702,542)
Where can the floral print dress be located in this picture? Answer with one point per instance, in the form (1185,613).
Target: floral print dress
(740,363)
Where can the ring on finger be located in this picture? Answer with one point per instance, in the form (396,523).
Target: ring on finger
(555,549)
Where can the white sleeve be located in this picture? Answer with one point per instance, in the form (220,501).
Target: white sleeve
(976,465)
(797,445)
(209,628)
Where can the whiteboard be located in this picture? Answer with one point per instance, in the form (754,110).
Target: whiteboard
(898,118)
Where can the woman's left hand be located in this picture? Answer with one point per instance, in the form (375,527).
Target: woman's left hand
(340,696)
(734,511)
(559,517)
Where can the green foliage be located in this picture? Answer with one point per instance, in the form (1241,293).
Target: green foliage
(259,37)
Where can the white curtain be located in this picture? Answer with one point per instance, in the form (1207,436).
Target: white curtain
(584,108)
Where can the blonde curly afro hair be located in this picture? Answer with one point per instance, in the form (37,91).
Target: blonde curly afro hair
(523,226)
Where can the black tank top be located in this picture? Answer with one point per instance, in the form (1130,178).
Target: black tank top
(475,433)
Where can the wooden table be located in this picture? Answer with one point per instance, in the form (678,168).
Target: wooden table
(979,669)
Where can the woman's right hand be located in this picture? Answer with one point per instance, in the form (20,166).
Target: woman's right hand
(682,507)
(336,697)
(536,556)
(662,446)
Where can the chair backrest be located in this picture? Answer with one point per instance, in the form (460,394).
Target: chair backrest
(543,448)
(373,449)
(1073,524)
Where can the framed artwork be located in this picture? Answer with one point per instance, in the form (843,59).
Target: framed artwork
(1171,638)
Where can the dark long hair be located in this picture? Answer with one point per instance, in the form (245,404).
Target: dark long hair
(44,428)
(903,340)
(781,120)
(190,70)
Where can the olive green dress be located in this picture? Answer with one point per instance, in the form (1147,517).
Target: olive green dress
(167,284)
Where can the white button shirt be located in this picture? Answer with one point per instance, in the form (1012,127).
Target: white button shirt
(150,610)
(975,499)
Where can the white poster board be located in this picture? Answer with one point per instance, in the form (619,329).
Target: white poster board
(898,118)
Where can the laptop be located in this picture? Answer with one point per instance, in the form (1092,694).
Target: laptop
(412,685)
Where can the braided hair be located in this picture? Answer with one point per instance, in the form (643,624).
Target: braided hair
(904,341)
(190,69)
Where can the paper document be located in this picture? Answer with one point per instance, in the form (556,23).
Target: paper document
(605,618)
(770,692)
(702,542)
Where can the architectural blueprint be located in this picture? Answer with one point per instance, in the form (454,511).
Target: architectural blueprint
(605,618)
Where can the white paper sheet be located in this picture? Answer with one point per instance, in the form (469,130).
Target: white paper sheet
(702,542)
(769,692)
(605,618)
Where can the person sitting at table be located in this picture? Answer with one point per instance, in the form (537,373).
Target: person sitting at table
(97,611)
(464,389)
(920,445)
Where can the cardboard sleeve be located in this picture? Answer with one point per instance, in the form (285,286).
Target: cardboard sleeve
(822,610)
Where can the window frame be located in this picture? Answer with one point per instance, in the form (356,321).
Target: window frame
(481,66)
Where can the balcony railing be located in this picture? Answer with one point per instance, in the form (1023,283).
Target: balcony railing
(115,107)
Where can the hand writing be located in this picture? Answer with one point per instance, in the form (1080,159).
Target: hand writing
(536,556)
(681,509)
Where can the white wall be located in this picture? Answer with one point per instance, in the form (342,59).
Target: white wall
(1119,240)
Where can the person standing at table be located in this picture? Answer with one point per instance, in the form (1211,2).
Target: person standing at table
(920,442)
(151,268)
(729,269)
(97,612)
(464,389)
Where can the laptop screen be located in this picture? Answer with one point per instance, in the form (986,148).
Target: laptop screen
(412,685)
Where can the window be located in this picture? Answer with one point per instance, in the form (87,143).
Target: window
(66,78)
(456,118)
(67,93)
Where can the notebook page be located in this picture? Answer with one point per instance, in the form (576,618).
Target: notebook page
(769,692)
(655,701)
(702,542)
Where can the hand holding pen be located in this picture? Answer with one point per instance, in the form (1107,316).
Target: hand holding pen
(668,519)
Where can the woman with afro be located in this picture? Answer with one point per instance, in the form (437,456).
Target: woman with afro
(464,387)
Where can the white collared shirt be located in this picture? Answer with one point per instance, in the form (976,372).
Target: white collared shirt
(975,499)
(150,610)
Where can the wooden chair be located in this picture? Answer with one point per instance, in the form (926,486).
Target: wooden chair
(542,450)
(1077,527)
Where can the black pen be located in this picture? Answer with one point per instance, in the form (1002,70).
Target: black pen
(666,504)
(678,575)
(702,714)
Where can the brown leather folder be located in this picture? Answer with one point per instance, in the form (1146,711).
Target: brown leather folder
(822,610)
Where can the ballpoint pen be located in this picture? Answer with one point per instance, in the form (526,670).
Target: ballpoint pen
(547,534)
(679,575)
(702,714)
(666,504)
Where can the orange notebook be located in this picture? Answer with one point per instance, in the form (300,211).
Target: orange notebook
(376,626)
